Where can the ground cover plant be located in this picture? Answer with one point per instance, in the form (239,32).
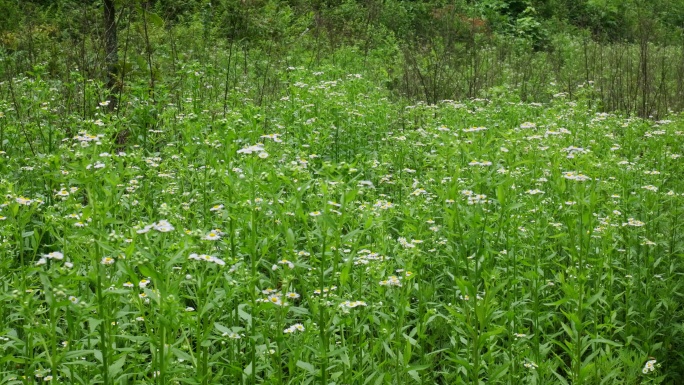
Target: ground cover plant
(336,235)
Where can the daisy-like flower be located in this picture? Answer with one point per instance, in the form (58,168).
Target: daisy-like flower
(213,235)
(216,208)
(219,261)
(54,255)
(23,201)
(257,148)
(649,366)
(128,285)
(477,199)
(315,213)
(383,205)
(474,129)
(286,262)
(352,304)
(633,222)
(73,299)
(291,295)
(274,137)
(163,226)
(275,299)
(392,280)
(107,261)
(406,244)
(294,328)
(483,163)
(571,175)
(62,193)
(207,258)
(143,283)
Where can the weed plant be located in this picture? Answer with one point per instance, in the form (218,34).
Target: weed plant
(333,235)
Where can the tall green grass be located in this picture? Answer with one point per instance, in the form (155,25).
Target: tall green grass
(336,235)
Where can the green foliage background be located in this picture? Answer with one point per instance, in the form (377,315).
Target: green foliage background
(426,50)
(566,285)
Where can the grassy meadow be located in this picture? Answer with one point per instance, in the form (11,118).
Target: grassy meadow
(334,234)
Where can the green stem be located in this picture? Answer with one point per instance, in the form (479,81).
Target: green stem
(103,326)
(322,326)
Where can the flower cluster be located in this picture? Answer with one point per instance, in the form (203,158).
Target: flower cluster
(207,258)
(649,366)
(392,280)
(162,226)
(294,328)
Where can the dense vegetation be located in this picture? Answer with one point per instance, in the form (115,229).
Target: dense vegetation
(632,50)
(378,192)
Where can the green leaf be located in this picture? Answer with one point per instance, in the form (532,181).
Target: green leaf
(411,340)
(369,378)
(388,350)
(380,380)
(182,355)
(77,354)
(155,19)
(115,368)
(306,366)
(344,357)
(248,370)
(149,271)
(604,341)
(207,306)
(415,376)
(243,314)
(221,328)
(418,368)
(344,274)
(93,324)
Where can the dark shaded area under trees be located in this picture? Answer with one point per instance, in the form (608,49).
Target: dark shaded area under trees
(632,51)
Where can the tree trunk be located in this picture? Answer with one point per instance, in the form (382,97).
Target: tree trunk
(111,53)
